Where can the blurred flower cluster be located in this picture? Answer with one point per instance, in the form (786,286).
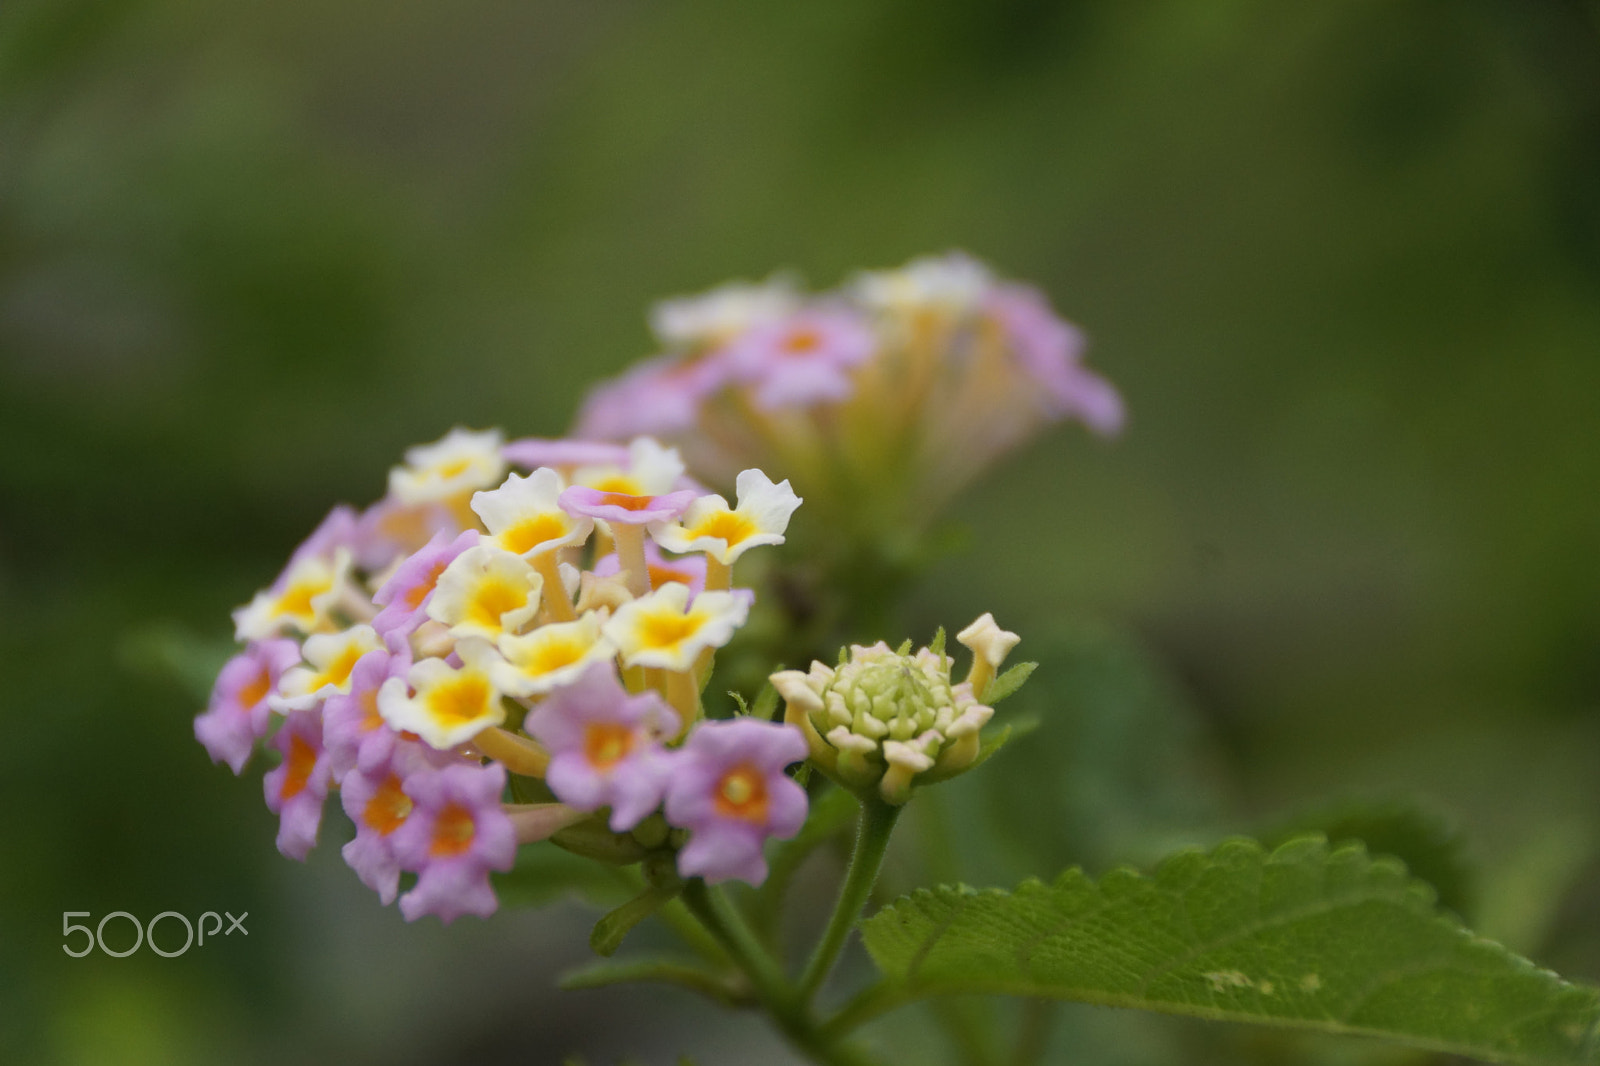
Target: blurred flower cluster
(880,400)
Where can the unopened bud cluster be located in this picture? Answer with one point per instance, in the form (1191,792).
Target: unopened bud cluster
(886,719)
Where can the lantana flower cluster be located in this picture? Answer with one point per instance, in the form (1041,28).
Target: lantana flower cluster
(478,626)
(883,397)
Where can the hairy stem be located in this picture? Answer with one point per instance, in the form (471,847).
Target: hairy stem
(872,839)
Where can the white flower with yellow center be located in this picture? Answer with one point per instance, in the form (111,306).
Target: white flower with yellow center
(713,318)
(550,656)
(329,658)
(522,515)
(450,706)
(457,463)
(300,600)
(651,470)
(664,629)
(484,592)
(725,533)
(954,283)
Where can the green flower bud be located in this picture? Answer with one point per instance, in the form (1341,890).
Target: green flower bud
(885,720)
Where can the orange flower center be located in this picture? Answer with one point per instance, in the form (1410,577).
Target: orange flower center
(453,831)
(388,807)
(256,690)
(802,341)
(607,743)
(742,793)
(415,597)
(627,502)
(371,717)
(302,759)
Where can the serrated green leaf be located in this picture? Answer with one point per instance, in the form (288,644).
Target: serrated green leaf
(1429,846)
(1306,936)
(1008,683)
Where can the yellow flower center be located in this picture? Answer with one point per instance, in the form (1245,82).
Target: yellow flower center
(666,630)
(727,526)
(531,532)
(460,701)
(449,470)
(338,671)
(296,599)
(553,655)
(492,599)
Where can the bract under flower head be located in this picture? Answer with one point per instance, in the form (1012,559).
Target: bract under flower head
(524,518)
(551,656)
(299,601)
(458,463)
(730,791)
(605,745)
(484,592)
(450,705)
(711,526)
(664,629)
(238,715)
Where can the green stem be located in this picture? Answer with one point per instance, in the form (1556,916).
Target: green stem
(872,839)
(775,992)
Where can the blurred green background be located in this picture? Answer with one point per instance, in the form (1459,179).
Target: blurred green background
(1343,260)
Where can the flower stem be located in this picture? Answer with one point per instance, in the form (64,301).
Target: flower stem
(872,839)
(780,998)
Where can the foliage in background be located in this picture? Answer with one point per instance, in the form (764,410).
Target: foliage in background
(1344,263)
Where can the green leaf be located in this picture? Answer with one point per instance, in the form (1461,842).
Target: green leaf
(1008,683)
(169,652)
(1306,936)
(1425,841)
(613,926)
